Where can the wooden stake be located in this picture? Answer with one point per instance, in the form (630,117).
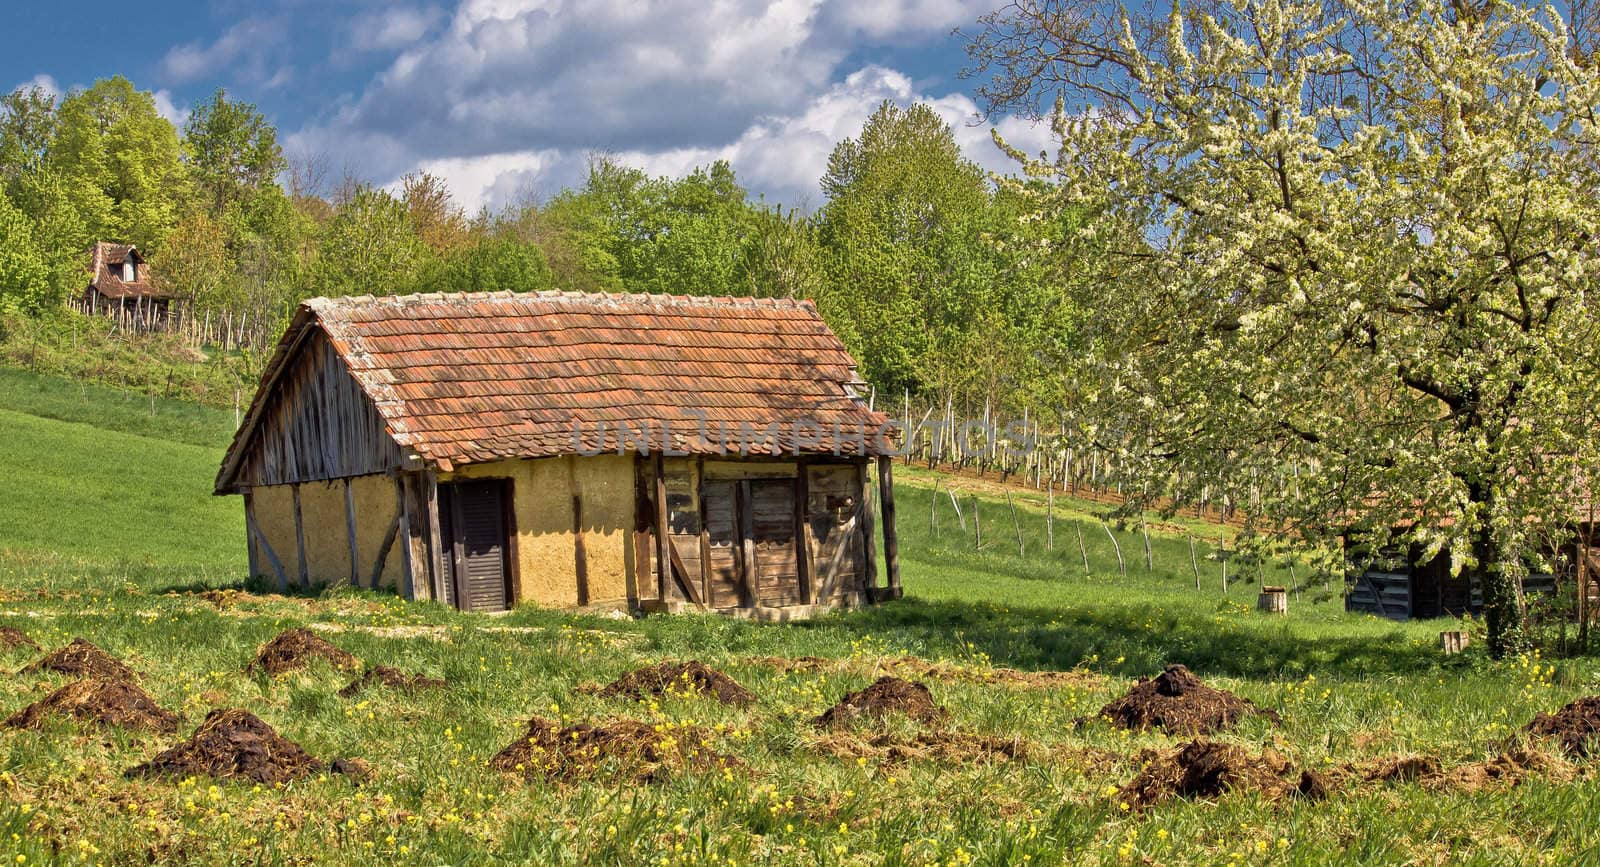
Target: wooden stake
(1078,528)
(1014,525)
(1195,562)
(956,504)
(1222,554)
(1149,558)
(933,510)
(977,526)
(1122,568)
(1049,514)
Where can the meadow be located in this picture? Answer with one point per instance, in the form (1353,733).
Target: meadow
(108,531)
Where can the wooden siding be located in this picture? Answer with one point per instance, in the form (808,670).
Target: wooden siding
(319,426)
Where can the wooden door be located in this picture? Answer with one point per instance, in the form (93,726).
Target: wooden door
(772,526)
(474,529)
(723,555)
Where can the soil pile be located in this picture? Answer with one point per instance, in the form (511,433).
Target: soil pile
(294,648)
(1179,702)
(394,678)
(1575,727)
(81,659)
(886,696)
(233,744)
(12,638)
(679,678)
(952,747)
(1205,769)
(1400,769)
(626,747)
(102,702)
(1504,770)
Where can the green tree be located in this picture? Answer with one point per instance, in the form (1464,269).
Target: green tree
(232,152)
(122,157)
(370,248)
(1349,270)
(902,239)
(25,278)
(495,262)
(27,124)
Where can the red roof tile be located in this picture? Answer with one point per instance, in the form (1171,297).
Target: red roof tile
(480,377)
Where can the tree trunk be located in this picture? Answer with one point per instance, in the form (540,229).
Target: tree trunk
(1502,597)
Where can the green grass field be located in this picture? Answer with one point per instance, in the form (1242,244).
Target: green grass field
(107,525)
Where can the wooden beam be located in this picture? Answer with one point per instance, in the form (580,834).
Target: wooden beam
(266,548)
(300,537)
(747,545)
(663,557)
(383,549)
(250,537)
(350,533)
(891,540)
(802,539)
(830,575)
(408,566)
(680,574)
(435,544)
(869,558)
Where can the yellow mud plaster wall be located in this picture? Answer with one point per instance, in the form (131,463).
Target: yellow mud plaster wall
(322,515)
(542,497)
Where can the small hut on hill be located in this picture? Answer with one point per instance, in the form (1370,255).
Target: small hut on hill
(563,449)
(120,287)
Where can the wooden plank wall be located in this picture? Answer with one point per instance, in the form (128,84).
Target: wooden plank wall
(319,425)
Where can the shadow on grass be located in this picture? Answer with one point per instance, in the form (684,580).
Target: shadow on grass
(1135,639)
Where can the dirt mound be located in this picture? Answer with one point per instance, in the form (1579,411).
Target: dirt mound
(12,638)
(223,599)
(394,678)
(103,702)
(679,678)
(1179,702)
(885,696)
(294,648)
(626,747)
(1575,727)
(1399,769)
(1206,769)
(233,744)
(952,747)
(910,667)
(1504,770)
(81,659)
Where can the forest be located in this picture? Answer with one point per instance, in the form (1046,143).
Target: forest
(914,258)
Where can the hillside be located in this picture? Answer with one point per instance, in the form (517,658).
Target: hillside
(110,532)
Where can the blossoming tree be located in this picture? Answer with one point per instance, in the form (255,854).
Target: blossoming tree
(1354,259)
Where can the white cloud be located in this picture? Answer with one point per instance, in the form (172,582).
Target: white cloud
(42,81)
(392,28)
(169,110)
(248,42)
(781,157)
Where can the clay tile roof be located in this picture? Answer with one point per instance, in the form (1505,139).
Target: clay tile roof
(479,377)
(105,273)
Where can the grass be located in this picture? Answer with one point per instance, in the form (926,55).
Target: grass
(93,549)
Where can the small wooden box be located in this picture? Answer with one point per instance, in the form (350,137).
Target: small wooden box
(1273,600)
(1454,642)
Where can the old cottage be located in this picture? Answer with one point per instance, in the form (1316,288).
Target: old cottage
(561,449)
(120,287)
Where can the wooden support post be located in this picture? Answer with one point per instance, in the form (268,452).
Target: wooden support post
(249,534)
(659,501)
(300,537)
(891,541)
(977,526)
(383,550)
(869,559)
(933,510)
(266,548)
(747,545)
(438,574)
(580,554)
(408,529)
(802,544)
(1050,514)
(956,504)
(350,531)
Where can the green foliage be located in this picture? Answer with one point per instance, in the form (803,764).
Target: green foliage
(369,248)
(122,160)
(232,152)
(495,263)
(24,279)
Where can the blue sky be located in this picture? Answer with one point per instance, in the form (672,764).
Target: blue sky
(506,98)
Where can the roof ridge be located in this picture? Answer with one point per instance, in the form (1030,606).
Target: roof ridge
(322,304)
